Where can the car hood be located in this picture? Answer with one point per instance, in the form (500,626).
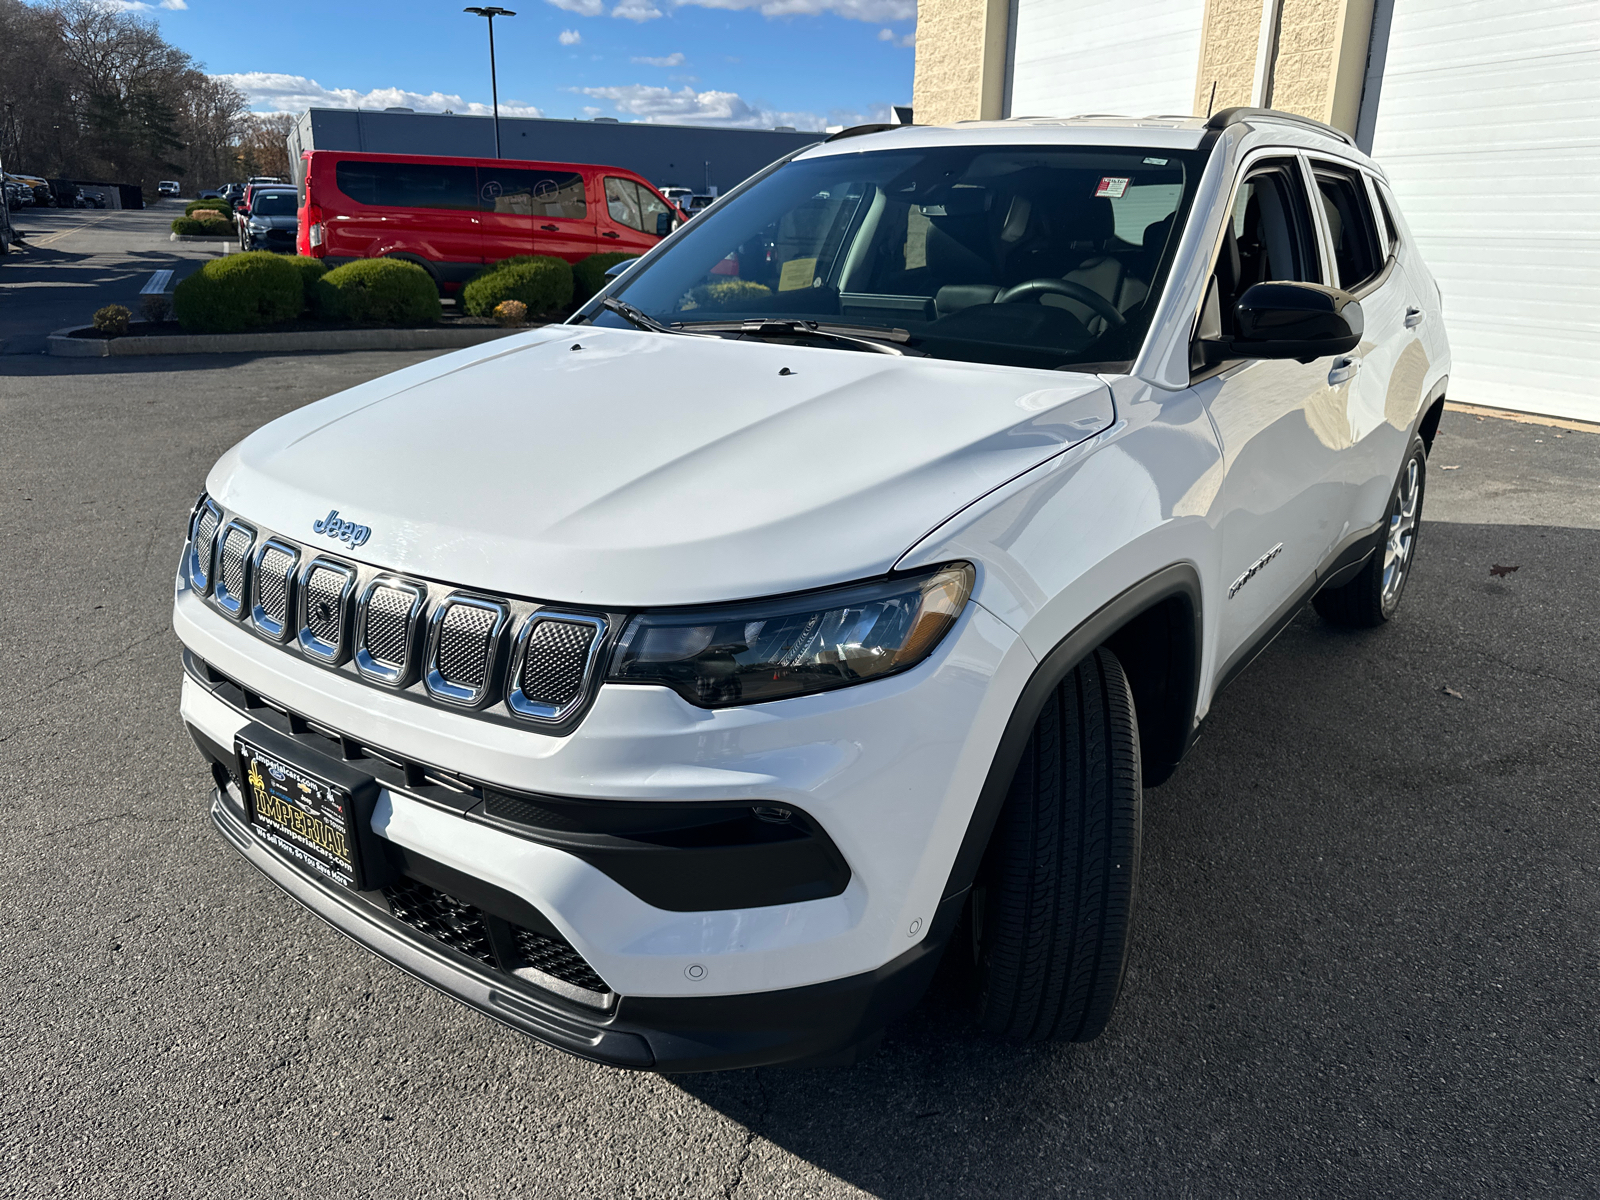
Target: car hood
(622,468)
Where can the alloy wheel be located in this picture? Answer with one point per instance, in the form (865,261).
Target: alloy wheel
(1403,518)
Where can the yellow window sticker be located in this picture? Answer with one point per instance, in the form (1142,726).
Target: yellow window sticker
(797,273)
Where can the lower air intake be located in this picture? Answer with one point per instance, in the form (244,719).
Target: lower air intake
(558,960)
(443,918)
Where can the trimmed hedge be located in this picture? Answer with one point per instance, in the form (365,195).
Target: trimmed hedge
(311,270)
(727,293)
(542,283)
(190,227)
(242,291)
(589,274)
(378,291)
(221,206)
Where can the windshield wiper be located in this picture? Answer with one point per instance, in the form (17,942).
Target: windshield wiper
(634,316)
(865,337)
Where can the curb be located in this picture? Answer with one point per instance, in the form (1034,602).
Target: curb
(203,237)
(62,345)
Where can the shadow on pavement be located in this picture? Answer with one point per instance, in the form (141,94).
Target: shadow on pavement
(1365,960)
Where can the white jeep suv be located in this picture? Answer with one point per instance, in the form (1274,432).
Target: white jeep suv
(671,684)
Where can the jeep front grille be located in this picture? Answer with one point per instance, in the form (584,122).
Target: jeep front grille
(462,646)
(553,658)
(388,629)
(272,581)
(324,608)
(208,518)
(232,567)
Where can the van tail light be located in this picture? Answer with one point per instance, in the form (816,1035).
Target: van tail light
(316,232)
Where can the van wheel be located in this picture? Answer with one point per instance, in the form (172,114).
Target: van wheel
(1053,903)
(1373,596)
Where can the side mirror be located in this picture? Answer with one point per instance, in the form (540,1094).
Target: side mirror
(664,224)
(622,266)
(1292,320)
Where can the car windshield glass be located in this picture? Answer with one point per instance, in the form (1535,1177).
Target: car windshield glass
(1033,256)
(273,204)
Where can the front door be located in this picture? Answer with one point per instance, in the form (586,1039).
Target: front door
(633,216)
(1282,497)
(534,211)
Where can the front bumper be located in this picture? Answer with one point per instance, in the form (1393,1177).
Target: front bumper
(823,1024)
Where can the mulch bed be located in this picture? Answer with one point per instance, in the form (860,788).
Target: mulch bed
(300,325)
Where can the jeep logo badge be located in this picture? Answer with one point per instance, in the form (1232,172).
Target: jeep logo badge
(348,532)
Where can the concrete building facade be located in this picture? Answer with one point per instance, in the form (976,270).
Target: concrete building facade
(1485,115)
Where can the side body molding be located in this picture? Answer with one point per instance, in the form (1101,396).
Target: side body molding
(1173,592)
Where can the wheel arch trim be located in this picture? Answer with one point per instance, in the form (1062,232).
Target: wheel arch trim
(1177,586)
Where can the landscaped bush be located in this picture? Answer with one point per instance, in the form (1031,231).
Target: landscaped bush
(511,312)
(112,319)
(191,227)
(242,291)
(381,291)
(729,293)
(589,274)
(210,216)
(544,284)
(194,206)
(156,307)
(311,270)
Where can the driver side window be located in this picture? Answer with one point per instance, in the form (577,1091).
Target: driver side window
(1268,238)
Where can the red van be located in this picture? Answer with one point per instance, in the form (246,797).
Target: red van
(453,215)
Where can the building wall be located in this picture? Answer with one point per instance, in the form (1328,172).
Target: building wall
(961,60)
(1228,44)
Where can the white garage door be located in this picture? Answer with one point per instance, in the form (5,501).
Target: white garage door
(1138,57)
(1488,125)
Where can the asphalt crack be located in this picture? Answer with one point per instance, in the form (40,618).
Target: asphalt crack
(751,1132)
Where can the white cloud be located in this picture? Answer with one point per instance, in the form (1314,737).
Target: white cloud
(661,105)
(269,92)
(876,11)
(671,60)
(637,10)
(174,5)
(570,37)
(889,35)
(584,8)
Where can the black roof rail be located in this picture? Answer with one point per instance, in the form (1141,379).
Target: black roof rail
(858,130)
(1228,116)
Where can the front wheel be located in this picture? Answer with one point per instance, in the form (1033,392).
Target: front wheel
(1053,903)
(1373,596)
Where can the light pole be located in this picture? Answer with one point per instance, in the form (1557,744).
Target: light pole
(494,86)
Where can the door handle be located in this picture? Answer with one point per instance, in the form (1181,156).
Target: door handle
(551,228)
(1413,317)
(609,234)
(1344,370)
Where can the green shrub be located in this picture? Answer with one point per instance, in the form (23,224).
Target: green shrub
(589,274)
(242,291)
(221,206)
(729,293)
(382,291)
(311,270)
(511,313)
(112,319)
(543,284)
(191,227)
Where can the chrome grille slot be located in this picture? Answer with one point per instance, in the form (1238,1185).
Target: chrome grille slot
(462,647)
(232,568)
(271,580)
(551,664)
(207,520)
(325,589)
(384,649)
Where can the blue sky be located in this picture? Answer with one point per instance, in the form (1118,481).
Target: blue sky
(807,63)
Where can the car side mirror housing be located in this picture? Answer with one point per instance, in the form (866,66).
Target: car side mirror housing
(1291,320)
(622,266)
(664,224)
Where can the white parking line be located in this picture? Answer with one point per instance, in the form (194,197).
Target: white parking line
(157,285)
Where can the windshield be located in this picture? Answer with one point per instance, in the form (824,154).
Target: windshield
(1032,256)
(273,204)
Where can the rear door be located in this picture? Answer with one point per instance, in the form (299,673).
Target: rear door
(534,210)
(1282,501)
(429,210)
(632,216)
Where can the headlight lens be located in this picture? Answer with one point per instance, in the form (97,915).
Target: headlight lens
(767,650)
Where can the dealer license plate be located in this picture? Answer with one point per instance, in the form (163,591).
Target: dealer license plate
(305,818)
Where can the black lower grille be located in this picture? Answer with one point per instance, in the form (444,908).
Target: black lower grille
(465,928)
(557,959)
(442,917)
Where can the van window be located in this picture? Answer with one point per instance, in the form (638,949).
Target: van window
(1350,225)
(408,185)
(526,193)
(634,206)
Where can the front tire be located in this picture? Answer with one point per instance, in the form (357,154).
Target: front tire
(1373,596)
(1053,904)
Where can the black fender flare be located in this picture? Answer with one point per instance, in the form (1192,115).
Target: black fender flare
(1179,582)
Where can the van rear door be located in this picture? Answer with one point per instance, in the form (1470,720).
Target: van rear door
(410,208)
(534,210)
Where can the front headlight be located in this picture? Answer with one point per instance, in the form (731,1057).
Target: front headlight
(771,649)
(258,226)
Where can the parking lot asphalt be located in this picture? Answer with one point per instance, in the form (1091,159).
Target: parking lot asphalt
(76,260)
(1366,960)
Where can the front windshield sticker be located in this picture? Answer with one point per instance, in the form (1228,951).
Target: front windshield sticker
(796,274)
(1112,187)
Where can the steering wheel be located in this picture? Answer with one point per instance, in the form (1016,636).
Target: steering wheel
(1032,289)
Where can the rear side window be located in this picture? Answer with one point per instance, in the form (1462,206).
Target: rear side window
(408,185)
(1351,228)
(1392,239)
(526,193)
